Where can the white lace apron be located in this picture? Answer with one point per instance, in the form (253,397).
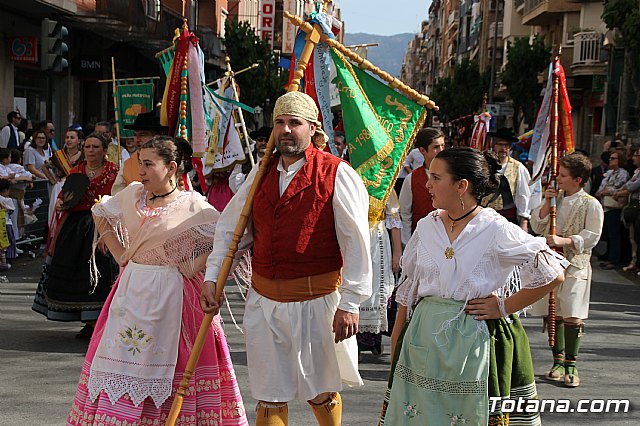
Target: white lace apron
(139,347)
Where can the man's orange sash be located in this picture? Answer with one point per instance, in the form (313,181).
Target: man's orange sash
(130,169)
(297,289)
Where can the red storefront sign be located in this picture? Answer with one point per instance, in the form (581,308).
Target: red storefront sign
(23,49)
(267,18)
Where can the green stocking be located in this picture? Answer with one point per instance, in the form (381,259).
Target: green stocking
(559,345)
(573,335)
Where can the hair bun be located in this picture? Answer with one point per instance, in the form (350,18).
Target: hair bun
(492,161)
(185,151)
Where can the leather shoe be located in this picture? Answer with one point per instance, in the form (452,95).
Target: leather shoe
(556,373)
(571,380)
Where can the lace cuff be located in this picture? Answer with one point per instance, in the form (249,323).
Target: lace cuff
(393,222)
(108,207)
(542,269)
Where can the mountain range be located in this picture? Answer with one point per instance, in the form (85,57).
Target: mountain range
(389,54)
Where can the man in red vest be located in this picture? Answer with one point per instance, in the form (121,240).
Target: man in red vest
(301,314)
(415,199)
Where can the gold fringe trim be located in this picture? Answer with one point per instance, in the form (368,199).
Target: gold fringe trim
(376,207)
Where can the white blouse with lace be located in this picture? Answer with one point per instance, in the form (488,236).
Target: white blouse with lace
(477,263)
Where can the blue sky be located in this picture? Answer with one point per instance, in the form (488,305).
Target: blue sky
(384,17)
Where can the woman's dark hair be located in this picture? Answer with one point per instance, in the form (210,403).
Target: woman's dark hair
(16,156)
(170,149)
(622,156)
(479,168)
(105,143)
(578,165)
(5,153)
(427,136)
(24,123)
(78,132)
(187,152)
(35,134)
(4,185)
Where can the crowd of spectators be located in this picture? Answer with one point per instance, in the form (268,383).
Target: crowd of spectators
(30,170)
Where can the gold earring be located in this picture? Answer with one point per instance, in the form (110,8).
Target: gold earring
(170,182)
(462,203)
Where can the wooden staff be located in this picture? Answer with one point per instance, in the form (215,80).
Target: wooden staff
(553,163)
(115,109)
(313,36)
(239,110)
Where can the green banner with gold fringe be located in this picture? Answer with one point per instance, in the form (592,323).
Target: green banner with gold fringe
(133,98)
(380,125)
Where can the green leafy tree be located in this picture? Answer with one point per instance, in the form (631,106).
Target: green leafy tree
(461,93)
(624,17)
(525,61)
(245,48)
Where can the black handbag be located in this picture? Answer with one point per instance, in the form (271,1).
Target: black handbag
(631,213)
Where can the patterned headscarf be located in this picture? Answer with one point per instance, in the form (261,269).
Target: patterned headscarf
(298,104)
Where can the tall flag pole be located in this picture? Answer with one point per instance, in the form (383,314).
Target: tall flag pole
(115,108)
(553,160)
(560,143)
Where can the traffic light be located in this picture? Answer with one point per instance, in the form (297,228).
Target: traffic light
(54,49)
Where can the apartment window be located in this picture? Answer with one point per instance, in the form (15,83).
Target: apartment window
(193,13)
(223,21)
(152,9)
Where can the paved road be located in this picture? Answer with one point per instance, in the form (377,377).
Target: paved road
(40,360)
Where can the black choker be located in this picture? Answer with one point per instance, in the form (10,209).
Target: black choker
(154,196)
(453,221)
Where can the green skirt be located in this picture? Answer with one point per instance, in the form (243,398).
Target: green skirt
(447,366)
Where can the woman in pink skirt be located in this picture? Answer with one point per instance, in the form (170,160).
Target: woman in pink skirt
(161,235)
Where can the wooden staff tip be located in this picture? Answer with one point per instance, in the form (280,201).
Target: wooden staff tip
(365,65)
(386,76)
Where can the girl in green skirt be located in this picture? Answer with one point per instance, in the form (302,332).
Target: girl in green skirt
(459,350)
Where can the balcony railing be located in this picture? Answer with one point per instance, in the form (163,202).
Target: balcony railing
(492,29)
(549,6)
(453,18)
(529,5)
(586,48)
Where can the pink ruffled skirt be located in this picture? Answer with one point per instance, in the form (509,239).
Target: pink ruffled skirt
(213,396)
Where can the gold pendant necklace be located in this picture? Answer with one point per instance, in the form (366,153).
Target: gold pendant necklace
(92,171)
(448,253)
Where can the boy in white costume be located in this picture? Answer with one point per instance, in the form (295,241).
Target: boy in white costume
(579,226)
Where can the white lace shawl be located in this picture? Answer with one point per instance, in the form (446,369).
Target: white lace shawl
(174,235)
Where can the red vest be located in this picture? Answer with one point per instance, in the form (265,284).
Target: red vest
(422,203)
(295,235)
